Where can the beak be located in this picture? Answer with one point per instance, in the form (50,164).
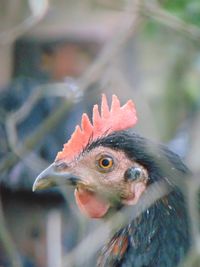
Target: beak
(51,177)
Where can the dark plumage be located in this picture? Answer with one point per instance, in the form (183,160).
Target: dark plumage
(160,236)
(158,159)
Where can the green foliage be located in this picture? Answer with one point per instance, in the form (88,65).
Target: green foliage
(188,10)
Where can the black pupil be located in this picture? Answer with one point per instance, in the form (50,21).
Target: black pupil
(105,162)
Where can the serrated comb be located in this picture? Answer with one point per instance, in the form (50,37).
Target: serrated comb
(116,119)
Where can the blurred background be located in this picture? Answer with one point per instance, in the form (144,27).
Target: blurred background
(56,59)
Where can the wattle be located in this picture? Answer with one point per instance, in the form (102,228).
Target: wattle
(90,204)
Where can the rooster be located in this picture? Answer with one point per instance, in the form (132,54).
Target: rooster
(111,168)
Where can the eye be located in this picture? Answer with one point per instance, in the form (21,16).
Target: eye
(105,163)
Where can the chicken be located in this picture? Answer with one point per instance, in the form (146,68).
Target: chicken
(110,168)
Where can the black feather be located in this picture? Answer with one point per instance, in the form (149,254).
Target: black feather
(159,237)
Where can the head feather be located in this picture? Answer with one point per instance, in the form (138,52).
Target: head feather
(116,119)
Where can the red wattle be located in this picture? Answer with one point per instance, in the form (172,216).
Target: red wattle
(90,204)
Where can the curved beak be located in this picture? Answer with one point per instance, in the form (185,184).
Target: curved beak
(51,177)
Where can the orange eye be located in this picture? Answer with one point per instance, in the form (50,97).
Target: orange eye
(105,163)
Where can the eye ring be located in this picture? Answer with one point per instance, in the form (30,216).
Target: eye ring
(105,163)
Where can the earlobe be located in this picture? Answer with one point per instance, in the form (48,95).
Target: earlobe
(133,174)
(137,190)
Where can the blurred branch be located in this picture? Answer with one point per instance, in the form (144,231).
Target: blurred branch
(127,27)
(38,10)
(193,206)
(31,141)
(152,10)
(65,90)
(7,242)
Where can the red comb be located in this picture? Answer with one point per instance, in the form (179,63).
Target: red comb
(116,119)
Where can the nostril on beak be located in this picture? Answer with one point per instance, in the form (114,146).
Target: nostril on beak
(74,181)
(52,177)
